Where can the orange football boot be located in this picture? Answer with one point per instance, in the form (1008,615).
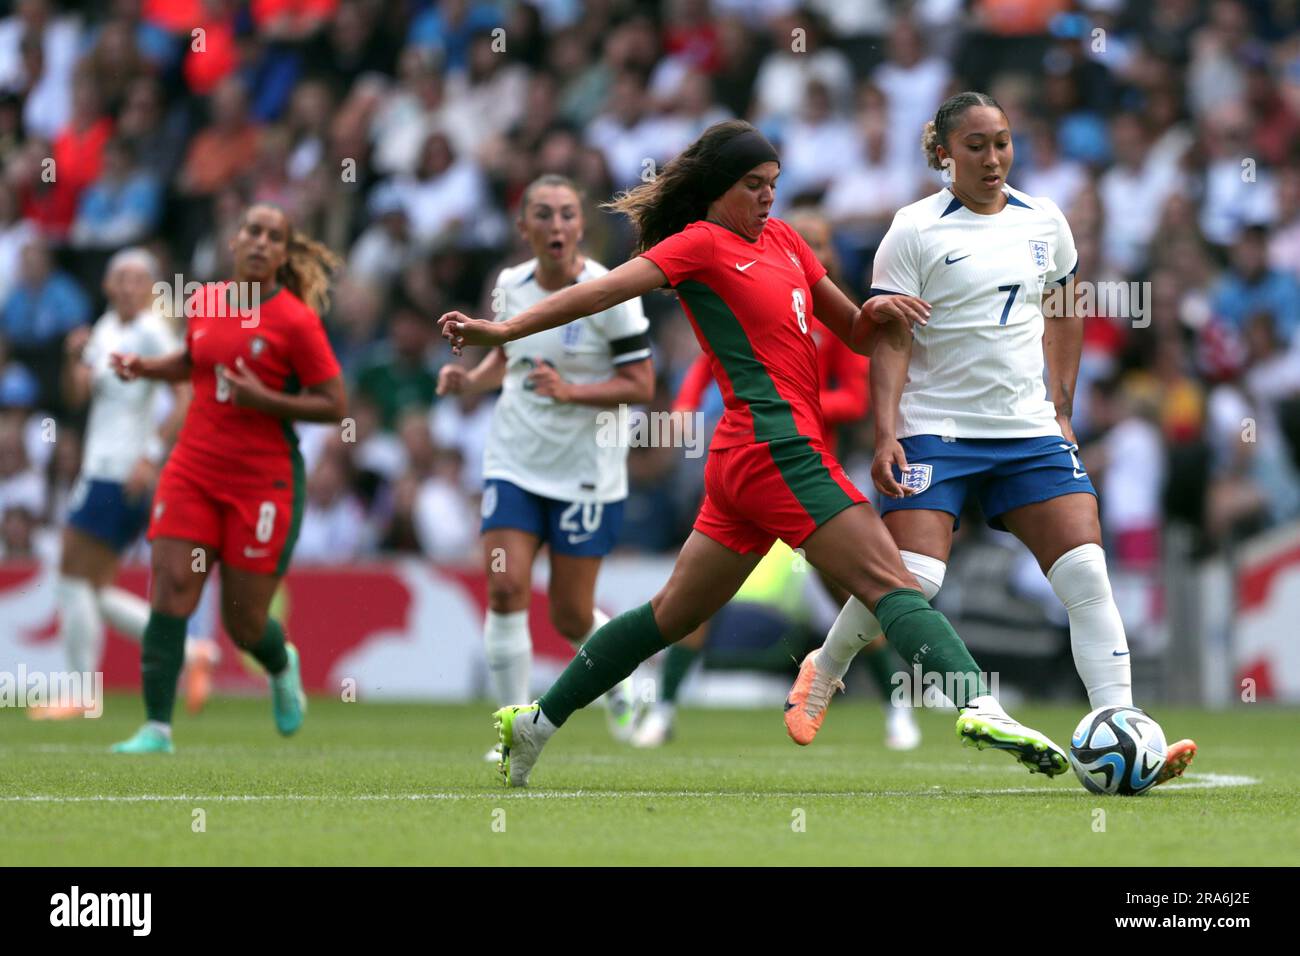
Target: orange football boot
(805,706)
(56,712)
(1178,757)
(199,662)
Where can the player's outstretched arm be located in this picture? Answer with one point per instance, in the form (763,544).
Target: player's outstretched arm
(633,278)
(834,309)
(163,368)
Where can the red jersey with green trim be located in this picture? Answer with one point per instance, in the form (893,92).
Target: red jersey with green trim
(751,306)
(283,342)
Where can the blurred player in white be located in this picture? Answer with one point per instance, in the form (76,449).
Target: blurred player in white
(978,399)
(552,474)
(122,452)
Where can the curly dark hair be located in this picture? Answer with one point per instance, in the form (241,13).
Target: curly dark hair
(678,195)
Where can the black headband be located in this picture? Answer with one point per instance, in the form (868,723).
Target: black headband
(737,156)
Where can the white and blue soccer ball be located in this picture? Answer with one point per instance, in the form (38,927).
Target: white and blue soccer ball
(1117,750)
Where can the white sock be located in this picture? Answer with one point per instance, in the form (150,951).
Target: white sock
(1096,631)
(125,612)
(200,646)
(80,627)
(598,620)
(856,627)
(158,725)
(543,724)
(986,703)
(509,650)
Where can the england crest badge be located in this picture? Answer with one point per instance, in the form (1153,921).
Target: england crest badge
(916,478)
(1038,249)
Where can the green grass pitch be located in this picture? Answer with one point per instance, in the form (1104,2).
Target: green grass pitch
(404,784)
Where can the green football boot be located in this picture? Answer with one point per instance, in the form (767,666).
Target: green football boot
(288,700)
(147,740)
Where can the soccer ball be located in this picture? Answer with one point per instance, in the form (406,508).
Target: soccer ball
(1117,750)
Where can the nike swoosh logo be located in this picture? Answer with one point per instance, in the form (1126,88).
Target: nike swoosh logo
(949,260)
(579,538)
(746,265)
(788,705)
(1118,653)
(255,553)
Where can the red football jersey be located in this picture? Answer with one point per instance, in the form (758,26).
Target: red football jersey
(285,346)
(751,306)
(842,372)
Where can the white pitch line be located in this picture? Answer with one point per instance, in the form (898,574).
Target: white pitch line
(1209,781)
(1204,781)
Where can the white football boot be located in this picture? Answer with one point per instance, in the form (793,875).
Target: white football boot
(901,730)
(983,723)
(656,727)
(523,732)
(622,708)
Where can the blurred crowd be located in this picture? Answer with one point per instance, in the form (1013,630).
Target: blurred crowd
(402,134)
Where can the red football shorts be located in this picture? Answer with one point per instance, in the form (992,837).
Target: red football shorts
(252,523)
(787,489)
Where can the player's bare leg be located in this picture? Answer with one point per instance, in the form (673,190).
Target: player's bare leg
(705,577)
(245,610)
(1064,535)
(656,726)
(179,570)
(508,555)
(923,538)
(86,565)
(856,549)
(901,730)
(575,615)
(202,653)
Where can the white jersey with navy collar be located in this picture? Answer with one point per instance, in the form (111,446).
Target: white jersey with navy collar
(554,449)
(121,424)
(977,367)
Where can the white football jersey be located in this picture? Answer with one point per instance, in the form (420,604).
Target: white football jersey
(121,421)
(977,367)
(547,447)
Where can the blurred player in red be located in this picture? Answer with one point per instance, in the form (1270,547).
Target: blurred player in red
(232,490)
(845,399)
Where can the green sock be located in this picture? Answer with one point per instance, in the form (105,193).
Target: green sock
(608,656)
(270,651)
(881,665)
(162,653)
(677,664)
(923,636)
